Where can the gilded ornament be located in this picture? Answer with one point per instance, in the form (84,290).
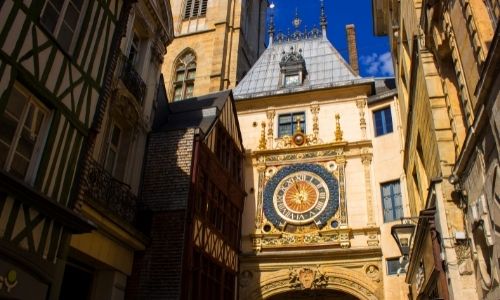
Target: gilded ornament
(338,131)
(262,141)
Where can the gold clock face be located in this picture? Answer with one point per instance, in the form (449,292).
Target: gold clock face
(300,197)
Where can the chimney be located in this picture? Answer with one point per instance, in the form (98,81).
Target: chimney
(353,50)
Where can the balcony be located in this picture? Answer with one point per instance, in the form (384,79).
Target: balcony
(131,79)
(102,188)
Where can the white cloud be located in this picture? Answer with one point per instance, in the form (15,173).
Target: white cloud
(378,64)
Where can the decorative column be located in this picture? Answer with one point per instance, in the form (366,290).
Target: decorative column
(361,104)
(366,159)
(261,168)
(315,112)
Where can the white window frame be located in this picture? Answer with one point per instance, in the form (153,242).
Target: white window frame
(115,148)
(35,158)
(60,20)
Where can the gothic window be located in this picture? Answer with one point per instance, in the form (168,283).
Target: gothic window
(23,125)
(195,8)
(391,201)
(287,123)
(184,76)
(383,121)
(63,19)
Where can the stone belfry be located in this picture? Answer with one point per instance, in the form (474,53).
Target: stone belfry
(216,42)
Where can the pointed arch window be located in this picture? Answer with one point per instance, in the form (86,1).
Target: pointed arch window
(184,76)
(195,8)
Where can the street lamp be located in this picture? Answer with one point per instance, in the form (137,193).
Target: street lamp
(403,234)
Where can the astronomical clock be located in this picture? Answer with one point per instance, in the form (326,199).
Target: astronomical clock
(301,194)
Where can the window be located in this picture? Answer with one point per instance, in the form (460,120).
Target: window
(383,121)
(291,80)
(395,267)
(287,123)
(62,18)
(133,55)
(113,148)
(391,201)
(195,8)
(23,125)
(184,76)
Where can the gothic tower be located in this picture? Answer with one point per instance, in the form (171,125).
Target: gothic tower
(216,42)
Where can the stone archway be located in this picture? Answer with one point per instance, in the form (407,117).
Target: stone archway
(331,280)
(314,295)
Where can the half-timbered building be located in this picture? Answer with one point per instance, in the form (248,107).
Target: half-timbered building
(193,190)
(110,184)
(57,60)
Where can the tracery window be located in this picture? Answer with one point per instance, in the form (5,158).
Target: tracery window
(184,76)
(195,8)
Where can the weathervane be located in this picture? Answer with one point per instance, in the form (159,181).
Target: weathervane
(297,21)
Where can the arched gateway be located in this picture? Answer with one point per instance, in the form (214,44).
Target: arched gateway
(313,283)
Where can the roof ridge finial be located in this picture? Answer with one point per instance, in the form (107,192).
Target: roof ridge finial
(296,21)
(322,18)
(271,24)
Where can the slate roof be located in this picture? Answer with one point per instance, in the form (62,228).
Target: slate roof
(325,68)
(199,112)
(384,88)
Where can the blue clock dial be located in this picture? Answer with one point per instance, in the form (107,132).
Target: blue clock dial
(301,194)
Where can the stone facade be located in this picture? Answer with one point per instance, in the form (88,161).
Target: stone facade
(442,51)
(346,251)
(225,39)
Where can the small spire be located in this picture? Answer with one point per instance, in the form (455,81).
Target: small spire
(271,24)
(338,131)
(322,19)
(296,21)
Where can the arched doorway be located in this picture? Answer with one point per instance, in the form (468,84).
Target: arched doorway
(314,295)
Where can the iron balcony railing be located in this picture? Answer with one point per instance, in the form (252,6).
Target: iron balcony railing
(103,188)
(132,80)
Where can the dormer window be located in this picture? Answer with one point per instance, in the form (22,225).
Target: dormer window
(293,68)
(292,79)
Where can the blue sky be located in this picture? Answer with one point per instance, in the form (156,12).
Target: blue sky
(373,51)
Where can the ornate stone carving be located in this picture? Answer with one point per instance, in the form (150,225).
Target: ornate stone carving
(246,278)
(271,113)
(373,240)
(372,271)
(315,112)
(361,104)
(306,278)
